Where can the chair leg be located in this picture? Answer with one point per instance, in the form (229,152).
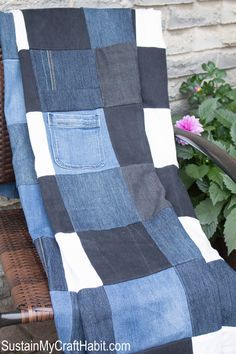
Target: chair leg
(10,318)
(26,316)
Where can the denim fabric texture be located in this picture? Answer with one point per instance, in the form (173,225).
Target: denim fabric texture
(153,77)
(8,42)
(58,215)
(107,27)
(35,214)
(152,311)
(66,80)
(226,283)
(90,148)
(118,63)
(100,312)
(177,347)
(62,305)
(126,129)
(92,200)
(45,30)
(205,315)
(178,196)
(14,104)
(31,93)
(168,233)
(145,189)
(51,258)
(120,259)
(100,189)
(23,158)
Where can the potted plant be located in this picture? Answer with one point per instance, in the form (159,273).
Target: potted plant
(212,113)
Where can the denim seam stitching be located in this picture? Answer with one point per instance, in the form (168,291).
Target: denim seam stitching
(186,296)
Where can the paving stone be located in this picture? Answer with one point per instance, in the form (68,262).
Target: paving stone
(11,335)
(6,304)
(4,289)
(42,330)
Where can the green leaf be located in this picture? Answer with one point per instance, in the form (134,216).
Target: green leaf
(225,117)
(233,132)
(218,143)
(232,94)
(230,231)
(229,183)
(202,185)
(207,212)
(217,194)
(195,171)
(188,181)
(184,151)
(210,229)
(207,109)
(215,175)
(175,117)
(232,151)
(232,202)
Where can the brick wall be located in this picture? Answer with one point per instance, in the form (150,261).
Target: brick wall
(195,31)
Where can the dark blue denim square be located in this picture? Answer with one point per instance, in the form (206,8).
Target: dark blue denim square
(56,28)
(203,296)
(123,253)
(118,74)
(66,80)
(97,200)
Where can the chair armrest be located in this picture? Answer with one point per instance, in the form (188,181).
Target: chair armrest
(221,158)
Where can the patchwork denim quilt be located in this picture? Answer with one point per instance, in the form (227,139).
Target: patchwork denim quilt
(87,110)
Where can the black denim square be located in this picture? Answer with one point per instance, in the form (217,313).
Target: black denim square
(183,346)
(123,253)
(57,28)
(127,133)
(153,77)
(118,73)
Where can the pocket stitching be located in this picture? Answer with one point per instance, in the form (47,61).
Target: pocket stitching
(56,151)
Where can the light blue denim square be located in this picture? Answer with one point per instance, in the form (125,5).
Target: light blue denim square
(109,26)
(8,37)
(79,142)
(35,214)
(149,311)
(23,157)
(14,104)
(63,315)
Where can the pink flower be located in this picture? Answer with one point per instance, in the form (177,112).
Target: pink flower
(190,124)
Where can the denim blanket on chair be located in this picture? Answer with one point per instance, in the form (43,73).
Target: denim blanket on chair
(87,110)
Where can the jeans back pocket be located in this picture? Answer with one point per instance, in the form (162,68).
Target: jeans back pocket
(76,140)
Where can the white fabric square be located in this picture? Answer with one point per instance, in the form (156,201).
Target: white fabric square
(210,343)
(195,232)
(149,28)
(39,143)
(79,271)
(160,134)
(20,29)
(228,340)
